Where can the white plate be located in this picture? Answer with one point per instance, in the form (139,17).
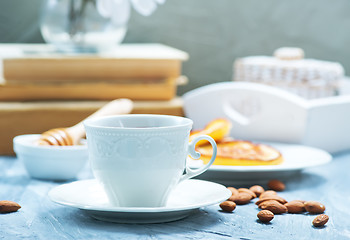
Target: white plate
(187,197)
(296,158)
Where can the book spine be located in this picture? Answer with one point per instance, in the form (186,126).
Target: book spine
(164,90)
(37,70)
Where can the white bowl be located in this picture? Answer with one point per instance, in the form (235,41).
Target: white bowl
(50,162)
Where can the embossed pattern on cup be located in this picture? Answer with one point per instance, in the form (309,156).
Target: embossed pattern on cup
(138,159)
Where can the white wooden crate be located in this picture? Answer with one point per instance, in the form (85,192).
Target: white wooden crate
(264,113)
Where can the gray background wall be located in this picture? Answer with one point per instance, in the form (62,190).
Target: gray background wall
(214,33)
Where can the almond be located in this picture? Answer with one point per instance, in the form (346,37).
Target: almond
(314,207)
(8,206)
(233,190)
(272,197)
(241,199)
(295,206)
(263,204)
(276,185)
(246,190)
(320,220)
(228,206)
(232,198)
(265,215)
(257,189)
(267,193)
(273,206)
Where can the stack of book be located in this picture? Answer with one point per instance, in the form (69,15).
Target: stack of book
(42,89)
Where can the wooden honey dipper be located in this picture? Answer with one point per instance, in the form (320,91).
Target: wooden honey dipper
(72,135)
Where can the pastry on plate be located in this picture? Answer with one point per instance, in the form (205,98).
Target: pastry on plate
(241,153)
(217,129)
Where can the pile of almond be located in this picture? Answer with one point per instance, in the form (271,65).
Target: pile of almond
(271,203)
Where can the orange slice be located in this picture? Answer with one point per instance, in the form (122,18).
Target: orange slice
(217,129)
(241,153)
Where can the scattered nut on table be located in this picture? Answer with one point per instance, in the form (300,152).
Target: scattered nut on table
(233,190)
(276,185)
(246,190)
(267,194)
(295,206)
(314,207)
(241,199)
(265,216)
(228,206)
(274,206)
(8,206)
(272,197)
(257,189)
(320,220)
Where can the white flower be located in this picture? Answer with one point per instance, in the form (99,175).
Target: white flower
(119,10)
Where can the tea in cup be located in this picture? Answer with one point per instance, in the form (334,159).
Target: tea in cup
(140,158)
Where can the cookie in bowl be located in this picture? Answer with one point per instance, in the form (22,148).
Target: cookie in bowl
(289,70)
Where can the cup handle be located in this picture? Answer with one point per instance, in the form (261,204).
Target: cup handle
(196,155)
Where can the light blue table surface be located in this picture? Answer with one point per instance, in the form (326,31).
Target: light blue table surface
(40,218)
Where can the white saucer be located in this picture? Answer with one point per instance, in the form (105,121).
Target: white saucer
(296,158)
(187,197)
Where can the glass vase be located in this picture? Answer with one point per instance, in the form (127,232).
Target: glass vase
(80,26)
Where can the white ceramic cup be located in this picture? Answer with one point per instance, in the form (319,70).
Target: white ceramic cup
(139,159)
